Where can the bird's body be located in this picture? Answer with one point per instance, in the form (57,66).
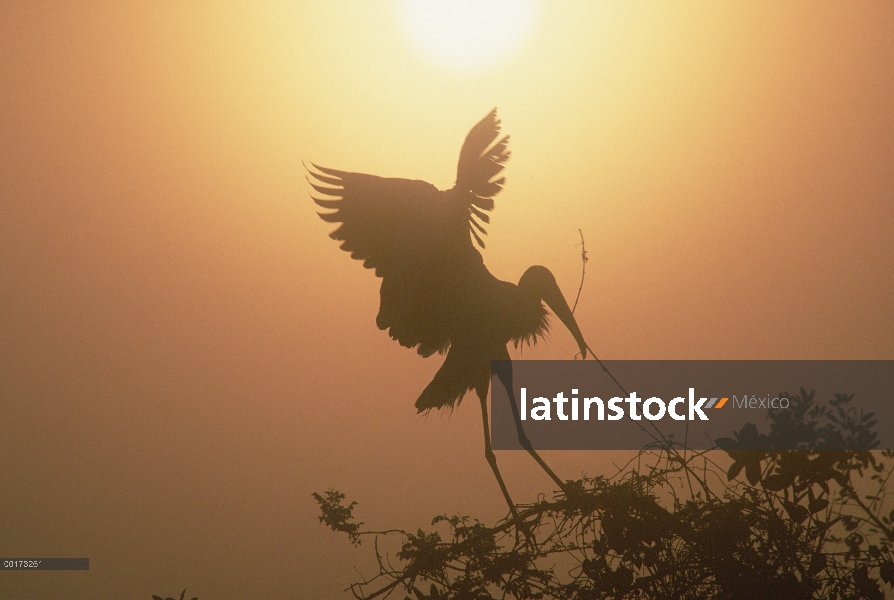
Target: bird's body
(437,295)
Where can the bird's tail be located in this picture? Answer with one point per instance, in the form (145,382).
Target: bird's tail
(479,162)
(459,374)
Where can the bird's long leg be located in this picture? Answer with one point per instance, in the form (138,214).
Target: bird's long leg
(504,373)
(491,457)
(492,461)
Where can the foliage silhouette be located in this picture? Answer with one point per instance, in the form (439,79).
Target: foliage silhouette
(671,524)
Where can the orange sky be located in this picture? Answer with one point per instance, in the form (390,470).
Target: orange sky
(185,356)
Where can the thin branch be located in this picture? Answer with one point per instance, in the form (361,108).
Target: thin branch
(583,270)
(583,273)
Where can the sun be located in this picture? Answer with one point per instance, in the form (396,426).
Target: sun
(467,34)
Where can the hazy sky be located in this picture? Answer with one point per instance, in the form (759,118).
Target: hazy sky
(185,356)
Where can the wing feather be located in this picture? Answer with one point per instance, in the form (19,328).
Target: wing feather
(326,203)
(483,216)
(477,226)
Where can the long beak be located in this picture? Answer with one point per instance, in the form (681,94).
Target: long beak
(553,297)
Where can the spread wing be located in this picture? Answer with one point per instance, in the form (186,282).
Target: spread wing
(416,238)
(479,164)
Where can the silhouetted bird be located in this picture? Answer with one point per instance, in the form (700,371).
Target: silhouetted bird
(436,294)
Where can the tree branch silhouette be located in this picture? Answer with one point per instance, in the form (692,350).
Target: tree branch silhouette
(583,270)
(736,523)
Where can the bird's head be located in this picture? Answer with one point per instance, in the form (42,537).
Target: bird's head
(540,282)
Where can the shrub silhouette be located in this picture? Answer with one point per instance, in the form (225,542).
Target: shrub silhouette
(672,524)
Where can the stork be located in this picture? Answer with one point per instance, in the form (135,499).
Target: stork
(437,295)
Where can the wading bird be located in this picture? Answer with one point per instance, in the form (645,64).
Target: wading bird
(436,294)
